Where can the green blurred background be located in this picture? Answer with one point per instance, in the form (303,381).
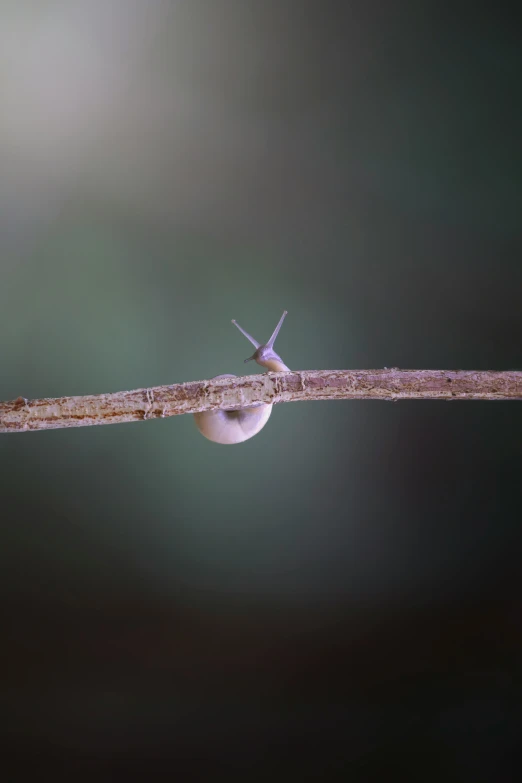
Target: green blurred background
(343,589)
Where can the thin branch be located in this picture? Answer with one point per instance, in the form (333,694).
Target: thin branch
(22,415)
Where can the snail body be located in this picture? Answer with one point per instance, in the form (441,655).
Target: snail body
(235,426)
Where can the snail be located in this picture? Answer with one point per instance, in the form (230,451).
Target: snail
(235,426)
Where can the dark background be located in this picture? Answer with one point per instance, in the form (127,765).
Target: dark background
(341,593)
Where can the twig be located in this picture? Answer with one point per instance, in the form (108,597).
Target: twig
(22,415)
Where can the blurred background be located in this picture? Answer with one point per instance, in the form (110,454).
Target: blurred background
(343,591)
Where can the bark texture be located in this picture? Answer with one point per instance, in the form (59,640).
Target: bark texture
(23,415)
